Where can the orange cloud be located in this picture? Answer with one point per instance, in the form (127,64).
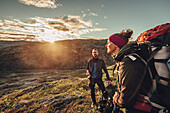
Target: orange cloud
(47,29)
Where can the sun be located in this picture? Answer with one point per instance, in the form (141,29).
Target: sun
(50,36)
(46,38)
(51,41)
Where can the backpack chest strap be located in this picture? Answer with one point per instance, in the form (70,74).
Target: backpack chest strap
(133,58)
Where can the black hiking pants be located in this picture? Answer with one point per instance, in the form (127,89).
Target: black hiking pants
(92,87)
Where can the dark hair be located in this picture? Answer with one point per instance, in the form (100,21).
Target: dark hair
(125,34)
(95,49)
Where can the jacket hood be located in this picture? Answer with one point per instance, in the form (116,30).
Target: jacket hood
(125,50)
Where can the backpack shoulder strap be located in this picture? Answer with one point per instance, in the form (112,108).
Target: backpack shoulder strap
(142,77)
(154,80)
(153,53)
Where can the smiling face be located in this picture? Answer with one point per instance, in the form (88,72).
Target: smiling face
(112,48)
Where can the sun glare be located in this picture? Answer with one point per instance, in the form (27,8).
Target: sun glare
(48,36)
(51,41)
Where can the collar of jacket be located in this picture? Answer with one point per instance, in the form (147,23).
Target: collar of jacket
(95,59)
(117,58)
(125,50)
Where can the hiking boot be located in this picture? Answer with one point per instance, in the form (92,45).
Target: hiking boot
(93,104)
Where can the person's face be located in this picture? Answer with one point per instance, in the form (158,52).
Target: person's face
(111,47)
(95,53)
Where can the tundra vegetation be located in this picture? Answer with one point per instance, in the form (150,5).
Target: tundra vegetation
(61,92)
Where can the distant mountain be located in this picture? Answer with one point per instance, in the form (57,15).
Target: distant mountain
(67,54)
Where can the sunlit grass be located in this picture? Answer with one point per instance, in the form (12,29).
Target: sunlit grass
(47,97)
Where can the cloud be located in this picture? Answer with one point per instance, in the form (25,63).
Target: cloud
(41,3)
(105,17)
(1,23)
(85,31)
(97,23)
(84,15)
(47,29)
(93,14)
(15,36)
(88,13)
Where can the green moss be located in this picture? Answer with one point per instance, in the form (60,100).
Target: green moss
(48,97)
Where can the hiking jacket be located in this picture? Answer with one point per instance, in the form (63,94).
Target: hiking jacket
(129,73)
(100,65)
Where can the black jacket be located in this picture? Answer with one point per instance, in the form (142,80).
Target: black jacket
(129,74)
(100,65)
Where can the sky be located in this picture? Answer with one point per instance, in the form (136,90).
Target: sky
(52,20)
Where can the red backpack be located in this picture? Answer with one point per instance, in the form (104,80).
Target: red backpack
(160,33)
(158,41)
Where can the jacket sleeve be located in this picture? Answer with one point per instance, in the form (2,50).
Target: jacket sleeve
(105,70)
(130,73)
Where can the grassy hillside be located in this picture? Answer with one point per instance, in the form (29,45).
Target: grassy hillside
(67,94)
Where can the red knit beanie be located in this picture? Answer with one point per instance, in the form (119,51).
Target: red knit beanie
(120,42)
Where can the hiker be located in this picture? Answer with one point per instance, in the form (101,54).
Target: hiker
(129,71)
(94,73)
